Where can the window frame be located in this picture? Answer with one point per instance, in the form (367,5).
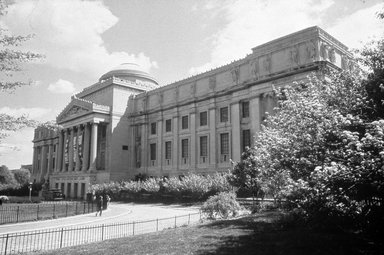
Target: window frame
(205,119)
(184,122)
(224,114)
(168,125)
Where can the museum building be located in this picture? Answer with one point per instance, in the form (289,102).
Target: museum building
(127,124)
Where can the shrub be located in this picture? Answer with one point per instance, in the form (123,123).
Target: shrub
(222,205)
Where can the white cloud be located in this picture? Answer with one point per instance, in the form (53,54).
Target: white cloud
(251,23)
(61,87)
(358,28)
(16,149)
(32,112)
(69,33)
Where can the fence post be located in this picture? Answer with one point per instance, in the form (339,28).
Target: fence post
(157,224)
(37,213)
(175,221)
(76,209)
(133,229)
(6,245)
(102,232)
(61,238)
(84,209)
(189,218)
(17,215)
(54,209)
(66,209)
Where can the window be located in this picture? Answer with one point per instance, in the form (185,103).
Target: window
(203,146)
(153,128)
(168,125)
(224,144)
(203,118)
(184,122)
(224,114)
(246,138)
(153,151)
(245,109)
(125,147)
(168,150)
(184,148)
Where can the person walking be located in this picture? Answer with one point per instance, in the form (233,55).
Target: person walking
(99,205)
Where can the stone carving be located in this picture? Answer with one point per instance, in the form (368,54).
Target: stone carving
(311,51)
(235,73)
(267,64)
(332,55)
(344,62)
(255,69)
(193,89)
(294,55)
(212,82)
(324,51)
(75,110)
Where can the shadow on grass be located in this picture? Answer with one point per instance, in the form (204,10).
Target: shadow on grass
(264,234)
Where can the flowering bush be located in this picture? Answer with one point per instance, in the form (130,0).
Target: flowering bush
(222,205)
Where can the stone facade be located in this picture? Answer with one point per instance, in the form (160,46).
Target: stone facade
(126,124)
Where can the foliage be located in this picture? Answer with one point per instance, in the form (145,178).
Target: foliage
(196,187)
(7,179)
(222,205)
(11,61)
(22,176)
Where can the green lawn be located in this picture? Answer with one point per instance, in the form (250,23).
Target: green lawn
(258,234)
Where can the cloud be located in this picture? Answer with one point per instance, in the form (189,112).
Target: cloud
(61,87)
(251,23)
(33,112)
(359,27)
(69,33)
(16,149)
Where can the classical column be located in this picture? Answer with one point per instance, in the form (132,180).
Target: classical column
(34,170)
(212,137)
(175,143)
(92,160)
(254,114)
(77,158)
(50,157)
(70,157)
(193,150)
(63,169)
(145,150)
(59,158)
(235,122)
(43,161)
(87,140)
(159,154)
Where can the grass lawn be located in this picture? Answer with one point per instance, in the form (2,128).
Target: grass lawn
(257,234)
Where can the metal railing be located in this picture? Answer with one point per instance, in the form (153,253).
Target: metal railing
(15,243)
(32,212)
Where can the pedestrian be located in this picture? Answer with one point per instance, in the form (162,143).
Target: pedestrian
(99,205)
(108,200)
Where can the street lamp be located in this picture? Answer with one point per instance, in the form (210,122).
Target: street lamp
(30,191)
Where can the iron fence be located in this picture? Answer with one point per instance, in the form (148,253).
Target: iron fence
(32,212)
(15,243)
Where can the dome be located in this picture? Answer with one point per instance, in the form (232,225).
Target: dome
(129,71)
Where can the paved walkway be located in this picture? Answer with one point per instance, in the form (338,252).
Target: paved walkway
(116,213)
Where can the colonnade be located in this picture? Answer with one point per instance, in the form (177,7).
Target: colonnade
(81,144)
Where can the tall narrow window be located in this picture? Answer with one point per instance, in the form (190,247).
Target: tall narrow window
(153,151)
(245,109)
(224,144)
(184,148)
(153,128)
(168,125)
(246,138)
(184,122)
(224,114)
(203,118)
(168,150)
(203,146)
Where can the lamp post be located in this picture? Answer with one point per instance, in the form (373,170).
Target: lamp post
(30,191)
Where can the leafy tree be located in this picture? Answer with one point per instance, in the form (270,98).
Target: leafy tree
(11,61)
(6,177)
(22,176)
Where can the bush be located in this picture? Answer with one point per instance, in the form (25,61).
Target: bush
(222,205)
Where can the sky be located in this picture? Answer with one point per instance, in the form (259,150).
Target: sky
(171,39)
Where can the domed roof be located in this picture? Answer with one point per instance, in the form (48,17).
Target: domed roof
(129,71)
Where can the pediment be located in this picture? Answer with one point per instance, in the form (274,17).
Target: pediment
(72,112)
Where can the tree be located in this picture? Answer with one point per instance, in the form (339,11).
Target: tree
(11,61)
(22,176)
(6,177)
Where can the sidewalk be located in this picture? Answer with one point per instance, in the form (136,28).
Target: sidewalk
(117,212)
